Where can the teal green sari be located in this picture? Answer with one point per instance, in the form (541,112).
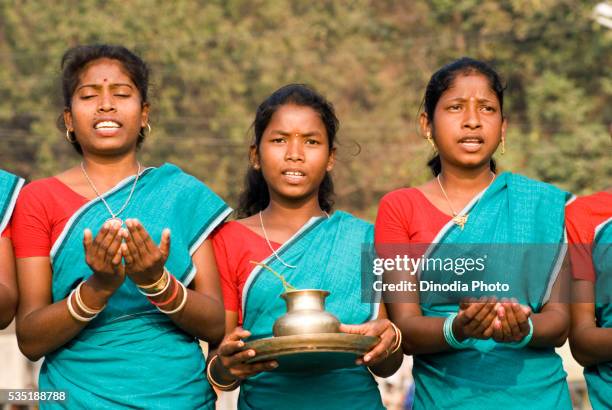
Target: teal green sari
(10,185)
(599,377)
(131,355)
(513,210)
(327,253)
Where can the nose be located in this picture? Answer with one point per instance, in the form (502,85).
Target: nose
(471,117)
(295,150)
(107,103)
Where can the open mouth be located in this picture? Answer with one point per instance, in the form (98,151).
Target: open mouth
(107,125)
(472,143)
(293,176)
(107,128)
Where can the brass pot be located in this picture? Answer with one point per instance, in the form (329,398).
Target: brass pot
(305,314)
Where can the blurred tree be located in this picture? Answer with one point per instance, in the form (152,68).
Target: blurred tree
(214,61)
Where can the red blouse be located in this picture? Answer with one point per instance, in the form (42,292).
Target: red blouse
(582,216)
(235,246)
(42,210)
(407,216)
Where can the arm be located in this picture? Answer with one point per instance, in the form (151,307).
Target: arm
(44,326)
(551,325)
(590,344)
(203,315)
(8,286)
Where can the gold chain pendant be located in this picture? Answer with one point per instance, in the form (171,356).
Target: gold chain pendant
(460,220)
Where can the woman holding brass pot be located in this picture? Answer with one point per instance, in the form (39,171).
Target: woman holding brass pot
(287,223)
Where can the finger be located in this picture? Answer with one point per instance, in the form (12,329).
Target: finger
(471,312)
(116,261)
(127,256)
(505,326)
(107,240)
(87,240)
(488,332)
(238,333)
(522,319)
(353,329)
(484,311)
(475,325)
(99,238)
(164,245)
(115,246)
(143,241)
(131,245)
(486,323)
(498,334)
(238,357)
(526,310)
(382,350)
(512,322)
(251,369)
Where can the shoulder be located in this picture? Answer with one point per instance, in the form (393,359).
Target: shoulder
(172,181)
(232,236)
(356,227)
(40,190)
(579,206)
(228,232)
(402,196)
(401,201)
(350,219)
(5,175)
(536,187)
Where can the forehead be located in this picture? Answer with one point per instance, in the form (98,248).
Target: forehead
(470,85)
(295,116)
(104,70)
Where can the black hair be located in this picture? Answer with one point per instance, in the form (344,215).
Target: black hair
(255,195)
(443,79)
(77,58)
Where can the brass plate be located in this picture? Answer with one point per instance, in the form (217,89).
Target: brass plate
(312,352)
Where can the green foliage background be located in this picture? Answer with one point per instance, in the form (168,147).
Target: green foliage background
(214,61)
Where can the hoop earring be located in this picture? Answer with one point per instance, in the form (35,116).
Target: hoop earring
(431,141)
(142,134)
(68,138)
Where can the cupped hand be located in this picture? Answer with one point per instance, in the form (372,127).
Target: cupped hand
(144,260)
(103,255)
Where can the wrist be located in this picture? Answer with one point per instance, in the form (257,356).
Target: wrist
(96,292)
(449,336)
(219,376)
(221,372)
(457,330)
(151,283)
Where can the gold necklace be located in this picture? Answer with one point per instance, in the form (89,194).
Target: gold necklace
(459,220)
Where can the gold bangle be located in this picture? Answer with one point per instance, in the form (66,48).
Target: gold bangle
(222,387)
(158,286)
(398,337)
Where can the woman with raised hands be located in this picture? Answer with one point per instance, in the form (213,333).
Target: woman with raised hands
(116,275)
(287,222)
(473,348)
(9,189)
(589,230)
